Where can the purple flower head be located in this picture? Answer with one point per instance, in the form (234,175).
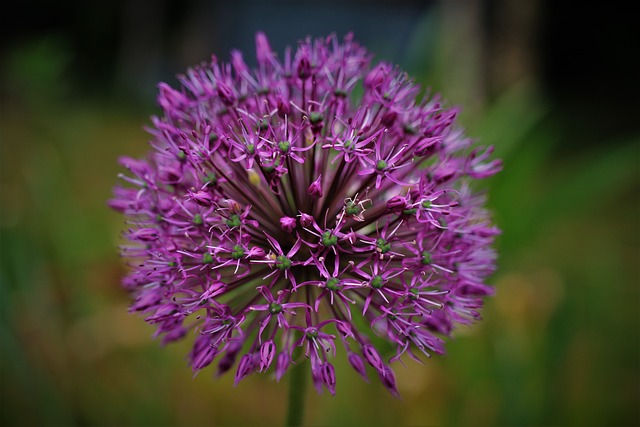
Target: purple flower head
(279,219)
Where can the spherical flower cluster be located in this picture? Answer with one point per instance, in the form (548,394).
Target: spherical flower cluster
(306,203)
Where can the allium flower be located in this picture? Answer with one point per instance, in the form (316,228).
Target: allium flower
(310,203)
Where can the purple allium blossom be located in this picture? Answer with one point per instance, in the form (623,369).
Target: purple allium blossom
(279,211)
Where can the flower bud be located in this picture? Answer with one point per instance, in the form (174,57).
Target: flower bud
(316,372)
(315,189)
(203,353)
(174,334)
(372,356)
(329,377)
(215,289)
(145,234)
(202,198)
(164,313)
(245,367)
(282,364)
(267,354)
(306,220)
(256,252)
(396,204)
(388,379)
(226,93)
(233,206)
(358,364)
(230,356)
(427,146)
(147,299)
(376,76)
(288,224)
(345,329)
(304,68)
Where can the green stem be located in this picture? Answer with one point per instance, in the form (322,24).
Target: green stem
(297,385)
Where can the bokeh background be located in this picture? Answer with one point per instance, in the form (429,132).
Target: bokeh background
(553,88)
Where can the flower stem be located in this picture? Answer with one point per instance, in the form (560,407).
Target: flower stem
(297,387)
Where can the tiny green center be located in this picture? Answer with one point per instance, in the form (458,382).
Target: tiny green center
(383,246)
(315,117)
(275,308)
(349,144)
(282,262)
(426,204)
(251,148)
(234,221)
(381,165)
(238,252)
(312,333)
(207,258)
(329,239)
(426,258)
(197,219)
(352,208)
(284,146)
(332,284)
(377,282)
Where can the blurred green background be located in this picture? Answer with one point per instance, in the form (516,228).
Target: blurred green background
(557,96)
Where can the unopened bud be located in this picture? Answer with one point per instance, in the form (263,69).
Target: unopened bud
(203,198)
(145,234)
(397,204)
(376,76)
(267,354)
(315,189)
(288,224)
(306,220)
(226,93)
(304,68)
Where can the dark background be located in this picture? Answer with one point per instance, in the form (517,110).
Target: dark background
(553,85)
